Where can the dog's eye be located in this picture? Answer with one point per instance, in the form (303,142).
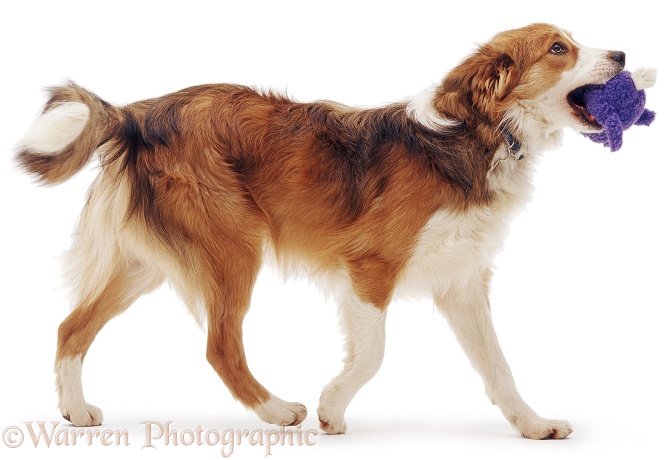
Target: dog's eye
(558,48)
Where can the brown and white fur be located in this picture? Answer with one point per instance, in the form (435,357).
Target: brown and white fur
(200,186)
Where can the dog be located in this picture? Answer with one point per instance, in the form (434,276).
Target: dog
(202,186)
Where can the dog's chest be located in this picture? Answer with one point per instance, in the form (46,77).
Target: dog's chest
(452,248)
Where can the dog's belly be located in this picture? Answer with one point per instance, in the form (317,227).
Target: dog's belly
(451,249)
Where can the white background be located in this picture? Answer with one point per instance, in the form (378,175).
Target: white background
(578,297)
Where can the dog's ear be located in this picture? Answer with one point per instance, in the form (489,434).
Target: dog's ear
(479,85)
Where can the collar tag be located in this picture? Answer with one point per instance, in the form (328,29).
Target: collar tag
(512,144)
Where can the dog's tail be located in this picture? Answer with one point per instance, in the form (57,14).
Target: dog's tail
(75,122)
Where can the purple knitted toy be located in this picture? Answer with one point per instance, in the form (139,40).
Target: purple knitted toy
(618,105)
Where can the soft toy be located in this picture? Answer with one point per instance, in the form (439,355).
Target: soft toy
(619,104)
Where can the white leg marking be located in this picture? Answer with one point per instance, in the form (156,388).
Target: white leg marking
(71,402)
(468,313)
(57,128)
(364,327)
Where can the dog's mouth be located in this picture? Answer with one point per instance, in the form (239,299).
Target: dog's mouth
(576,101)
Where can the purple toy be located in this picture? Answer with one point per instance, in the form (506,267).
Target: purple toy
(618,105)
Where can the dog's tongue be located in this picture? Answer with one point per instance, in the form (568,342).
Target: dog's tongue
(585,113)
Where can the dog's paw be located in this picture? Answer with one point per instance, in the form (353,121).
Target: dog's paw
(644,77)
(282,413)
(330,415)
(331,425)
(82,415)
(540,428)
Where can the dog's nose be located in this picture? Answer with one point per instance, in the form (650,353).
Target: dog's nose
(618,56)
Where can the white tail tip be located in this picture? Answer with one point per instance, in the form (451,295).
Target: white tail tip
(56,129)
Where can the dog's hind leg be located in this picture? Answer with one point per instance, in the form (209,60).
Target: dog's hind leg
(227,303)
(468,313)
(76,334)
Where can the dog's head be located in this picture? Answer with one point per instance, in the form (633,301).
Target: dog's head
(535,70)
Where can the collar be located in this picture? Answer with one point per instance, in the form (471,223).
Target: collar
(512,144)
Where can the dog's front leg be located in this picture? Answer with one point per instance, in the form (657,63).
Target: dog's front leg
(468,313)
(364,328)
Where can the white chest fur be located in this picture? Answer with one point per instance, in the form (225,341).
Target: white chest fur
(451,249)
(455,246)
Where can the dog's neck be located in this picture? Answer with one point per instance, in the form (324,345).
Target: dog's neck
(525,137)
(533,133)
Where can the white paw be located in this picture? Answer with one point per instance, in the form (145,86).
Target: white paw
(282,413)
(540,428)
(330,423)
(644,77)
(82,414)
(331,412)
